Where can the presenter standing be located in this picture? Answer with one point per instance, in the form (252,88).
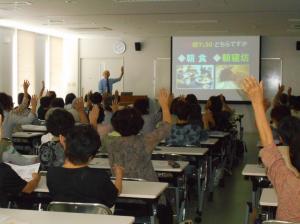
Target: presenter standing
(106,84)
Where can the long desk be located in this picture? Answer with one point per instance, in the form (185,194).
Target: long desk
(254,170)
(11,216)
(256,173)
(209,142)
(199,154)
(158,165)
(218,134)
(149,191)
(34,128)
(27,142)
(268,198)
(131,189)
(268,201)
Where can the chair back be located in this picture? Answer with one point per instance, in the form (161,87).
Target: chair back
(90,208)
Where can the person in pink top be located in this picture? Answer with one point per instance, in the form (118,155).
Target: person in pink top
(283,178)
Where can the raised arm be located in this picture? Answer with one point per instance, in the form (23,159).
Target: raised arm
(164,103)
(154,137)
(276,100)
(24,103)
(122,72)
(79,107)
(93,116)
(255,93)
(120,77)
(42,90)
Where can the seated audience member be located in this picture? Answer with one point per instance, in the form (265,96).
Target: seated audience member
(8,153)
(281,98)
(150,119)
(44,107)
(96,99)
(225,106)
(133,151)
(277,114)
(12,184)
(88,105)
(51,152)
(172,109)
(51,94)
(20,115)
(75,181)
(183,133)
(57,103)
(215,118)
(108,109)
(284,180)
(191,99)
(295,106)
(6,104)
(69,106)
(195,116)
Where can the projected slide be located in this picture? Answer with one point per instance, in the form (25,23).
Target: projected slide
(209,66)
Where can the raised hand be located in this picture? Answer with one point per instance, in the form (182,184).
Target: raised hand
(115,105)
(34,101)
(281,88)
(253,89)
(163,97)
(26,85)
(93,115)
(290,91)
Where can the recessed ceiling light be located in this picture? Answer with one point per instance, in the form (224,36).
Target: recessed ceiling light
(294,20)
(136,1)
(201,21)
(293,30)
(70,1)
(203,31)
(17,3)
(55,21)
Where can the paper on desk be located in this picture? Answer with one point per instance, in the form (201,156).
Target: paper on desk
(3,218)
(30,127)
(25,172)
(8,220)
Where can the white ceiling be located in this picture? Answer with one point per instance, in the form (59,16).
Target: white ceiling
(158,18)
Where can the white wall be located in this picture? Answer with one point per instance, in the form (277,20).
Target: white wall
(6,36)
(138,64)
(139,69)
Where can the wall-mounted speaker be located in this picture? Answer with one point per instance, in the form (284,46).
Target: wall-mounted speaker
(138,46)
(298,45)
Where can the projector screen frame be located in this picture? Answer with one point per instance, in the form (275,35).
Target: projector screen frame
(244,102)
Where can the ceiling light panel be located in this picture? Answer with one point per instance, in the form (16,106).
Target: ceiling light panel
(158,1)
(202,21)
